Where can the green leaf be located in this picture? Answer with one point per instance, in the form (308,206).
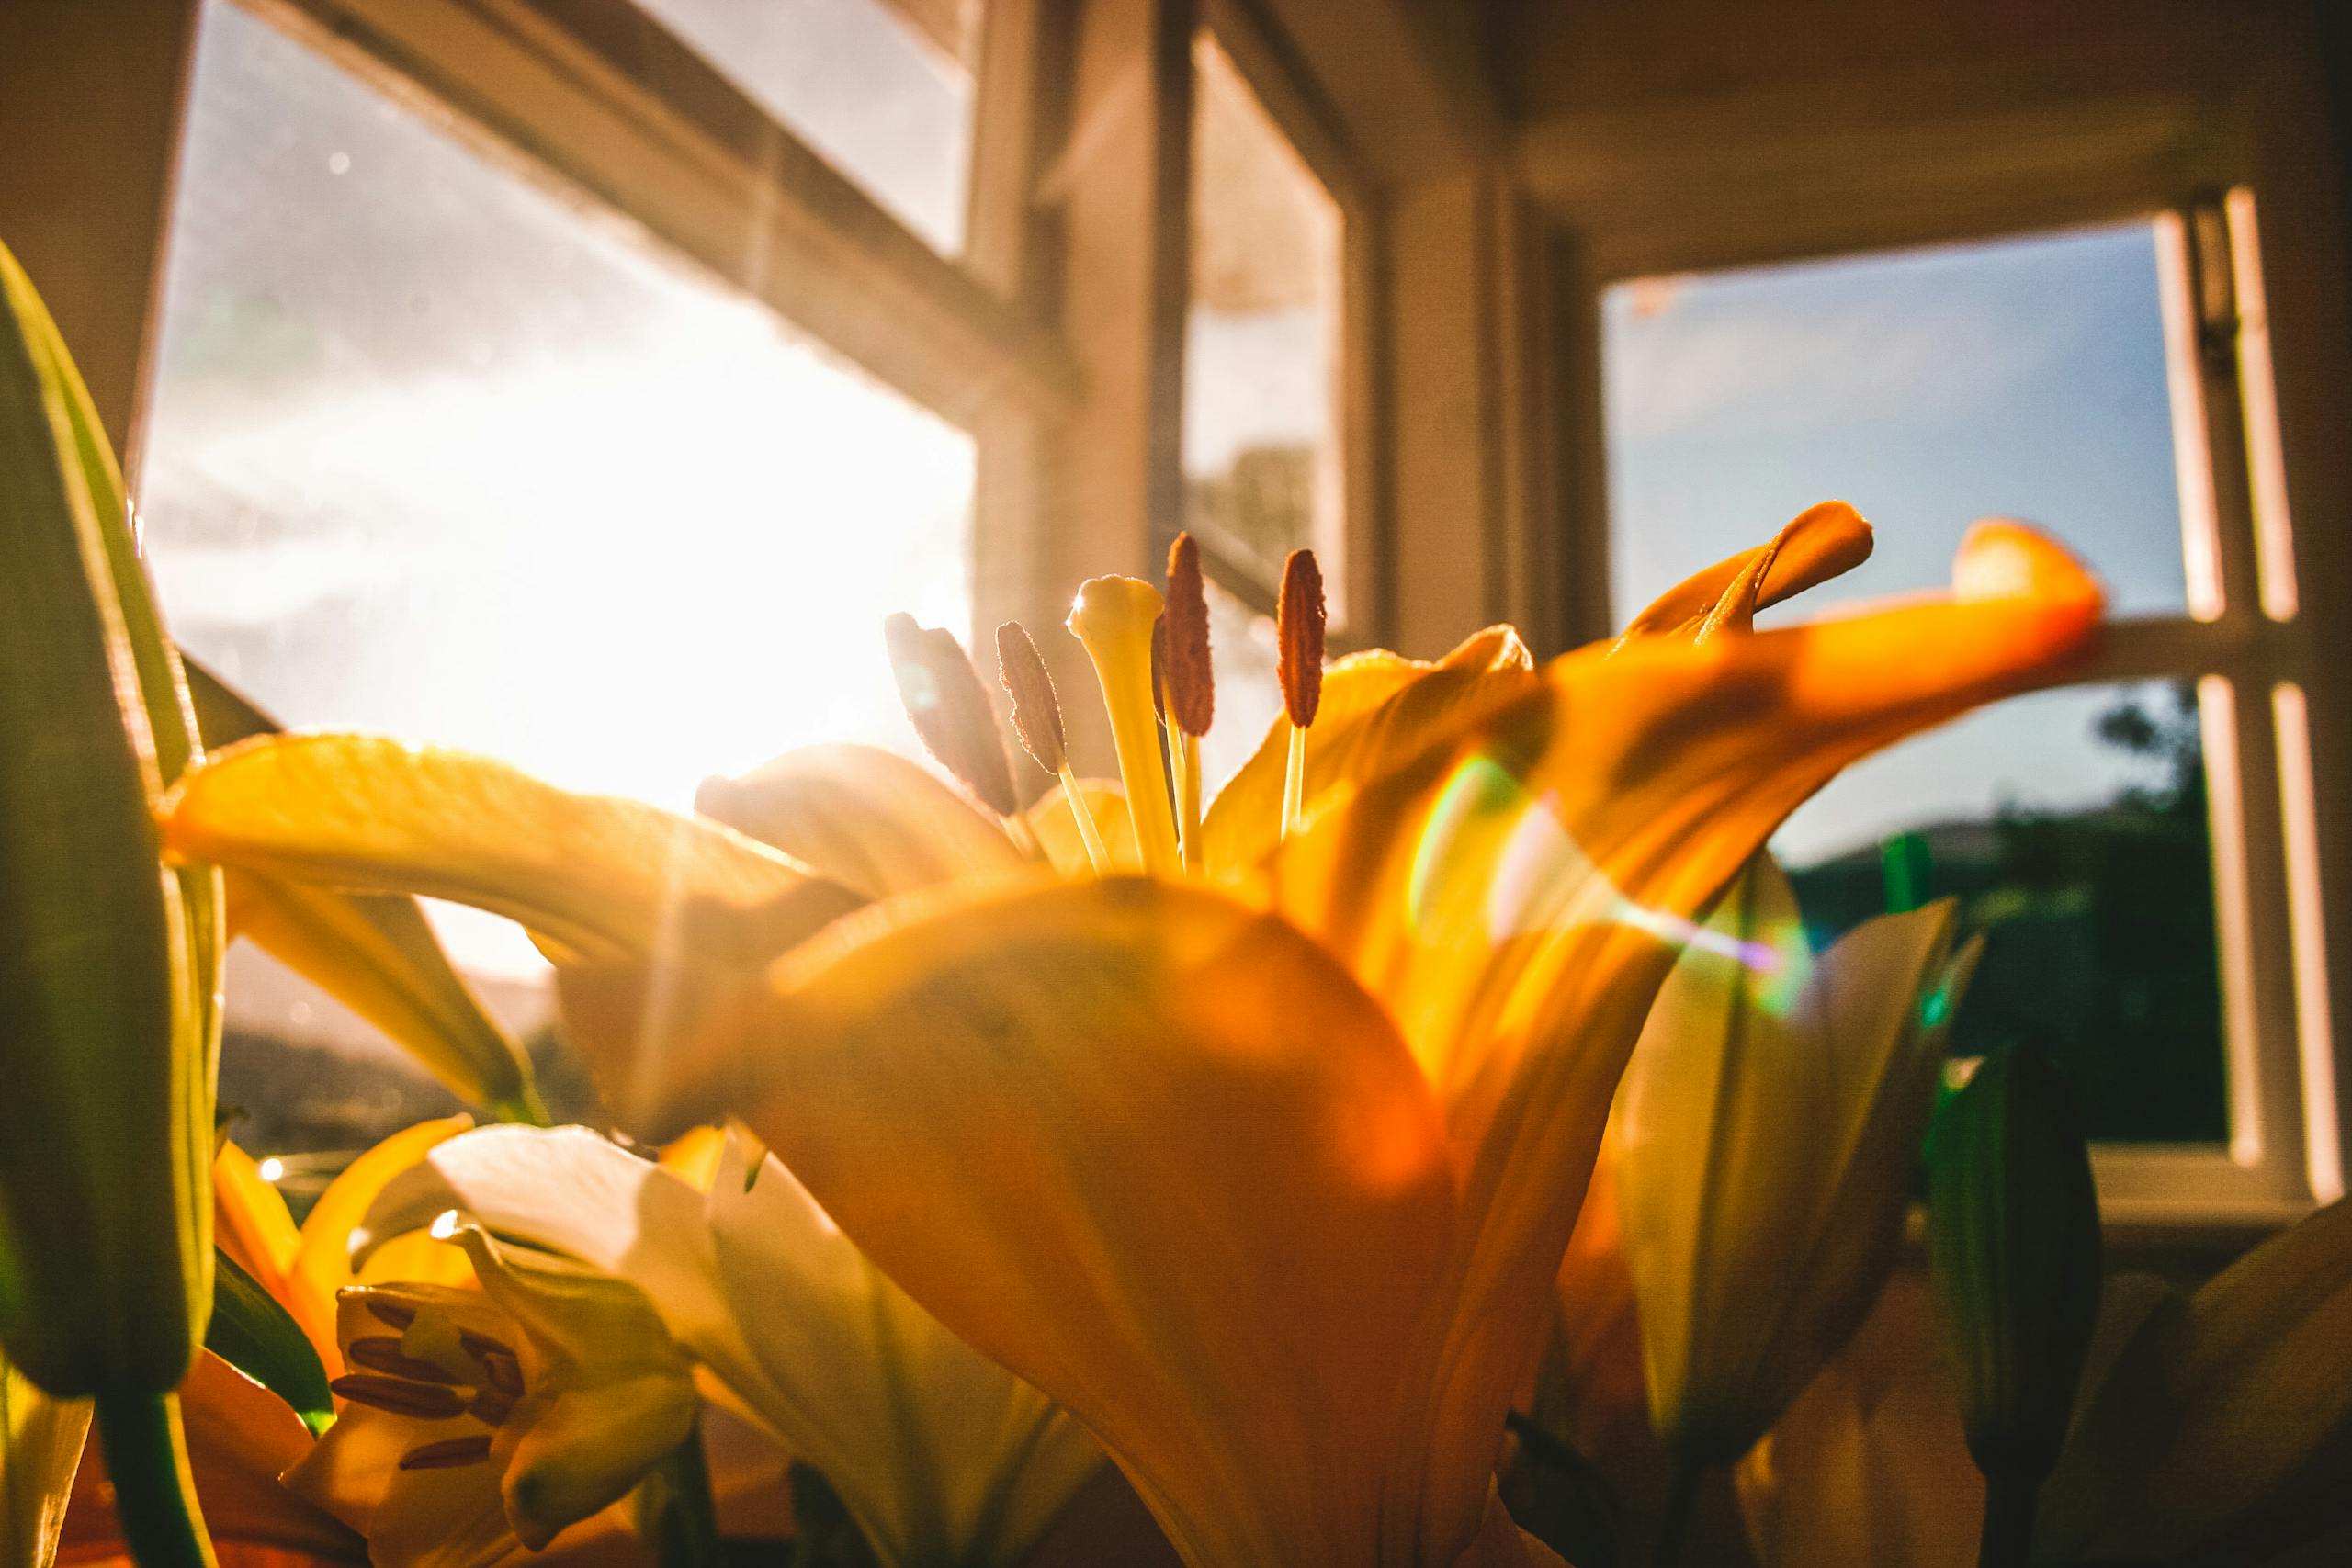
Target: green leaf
(253,1334)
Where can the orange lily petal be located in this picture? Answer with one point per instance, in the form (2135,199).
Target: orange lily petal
(1514,895)
(1818,544)
(251,1221)
(323,1263)
(241,1437)
(1058,834)
(1377,712)
(602,876)
(870,819)
(1045,1115)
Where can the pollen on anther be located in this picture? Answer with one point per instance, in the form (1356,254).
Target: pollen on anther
(1192,688)
(950,709)
(1299,622)
(1037,710)
(448,1454)
(424,1401)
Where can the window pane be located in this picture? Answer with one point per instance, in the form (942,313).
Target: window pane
(1261,425)
(1929,387)
(883,88)
(432,454)
(2072,826)
(1247,654)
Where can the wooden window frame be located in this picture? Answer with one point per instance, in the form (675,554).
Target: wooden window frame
(1284,87)
(1686,188)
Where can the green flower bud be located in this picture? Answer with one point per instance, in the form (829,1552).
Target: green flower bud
(107,960)
(2013,1253)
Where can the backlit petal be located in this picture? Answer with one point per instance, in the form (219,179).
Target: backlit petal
(1514,895)
(323,1263)
(241,1437)
(1818,544)
(601,875)
(1377,712)
(1151,1150)
(941,1453)
(870,819)
(1058,836)
(376,953)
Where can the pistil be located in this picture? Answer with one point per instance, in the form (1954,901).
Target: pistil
(1299,622)
(1113,617)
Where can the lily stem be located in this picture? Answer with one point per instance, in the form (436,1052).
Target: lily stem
(2009,1503)
(1675,1528)
(684,1526)
(154,1494)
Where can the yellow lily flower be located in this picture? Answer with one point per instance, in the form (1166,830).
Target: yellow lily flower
(304,1267)
(1264,1169)
(1770,1127)
(944,1458)
(478,1421)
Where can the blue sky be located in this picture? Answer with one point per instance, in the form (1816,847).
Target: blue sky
(1929,388)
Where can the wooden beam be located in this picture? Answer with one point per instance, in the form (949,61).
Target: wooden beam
(596,94)
(91,94)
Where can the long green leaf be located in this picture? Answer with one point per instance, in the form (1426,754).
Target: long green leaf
(253,1334)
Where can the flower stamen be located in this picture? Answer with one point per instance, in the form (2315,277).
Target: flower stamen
(450,1453)
(428,1402)
(387,1311)
(950,709)
(384,1354)
(1191,685)
(1299,624)
(1037,722)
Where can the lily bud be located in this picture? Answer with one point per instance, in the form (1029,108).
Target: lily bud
(1768,1128)
(107,958)
(2013,1253)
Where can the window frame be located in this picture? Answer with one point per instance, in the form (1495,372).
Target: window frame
(1662,190)
(1285,89)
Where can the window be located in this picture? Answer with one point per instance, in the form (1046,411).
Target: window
(2120,839)
(432,454)
(883,88)
(1261,448)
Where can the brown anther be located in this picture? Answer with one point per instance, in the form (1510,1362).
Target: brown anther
(951,710)
(482,1345)
(385,1310)
(448,1454)
(383,1355)
(424,1400)
(1037,711)
(1192,691)
(1298,622)
(500,1364)
(491,1407)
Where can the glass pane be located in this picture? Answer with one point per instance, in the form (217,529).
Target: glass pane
(1929,387)
(2072,826)
(1261,422)
(882,88)
(1246,653)
(432,454)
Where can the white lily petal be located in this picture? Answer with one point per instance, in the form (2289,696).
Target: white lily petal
(942,1454)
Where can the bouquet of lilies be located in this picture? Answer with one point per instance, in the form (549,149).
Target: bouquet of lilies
(1371,1167)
